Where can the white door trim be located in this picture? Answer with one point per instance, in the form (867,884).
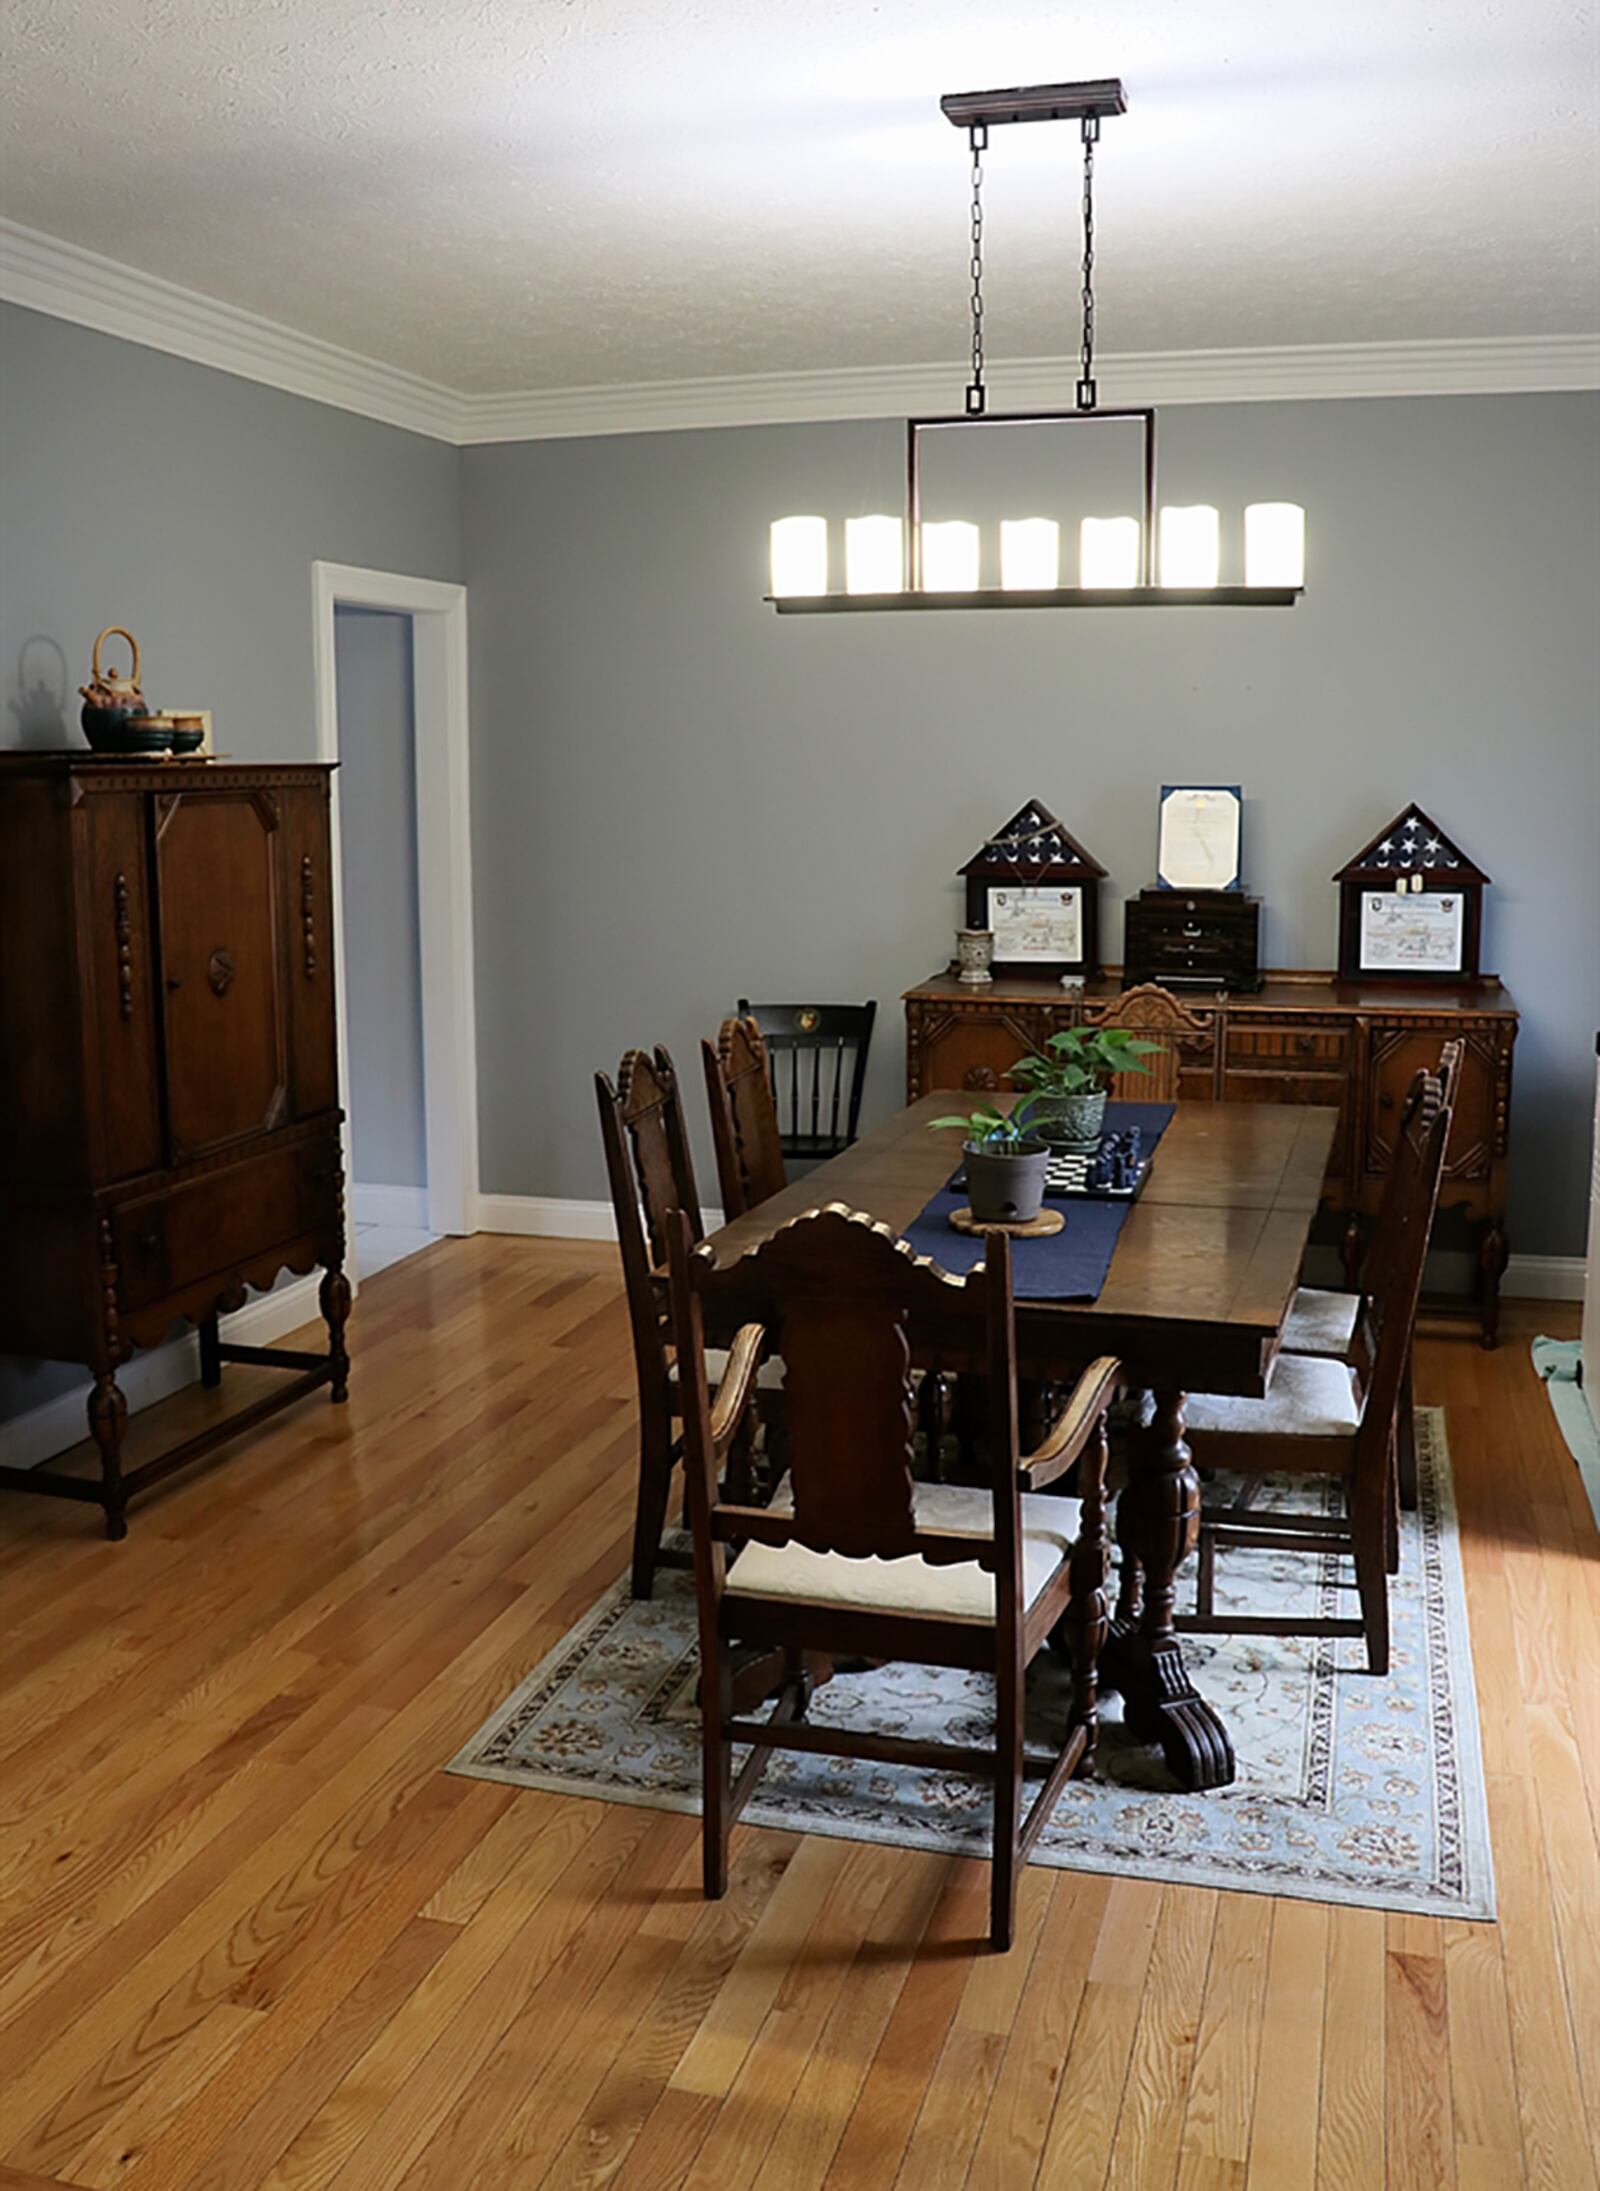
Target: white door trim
(444,862)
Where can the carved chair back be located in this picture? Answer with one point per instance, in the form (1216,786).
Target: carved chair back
(1155,1015)
(651,1176)
(817,1055)
(744,1117)
(848,1297)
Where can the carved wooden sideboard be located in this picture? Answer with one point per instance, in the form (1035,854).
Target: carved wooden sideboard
(1302,1038)
(169,1120)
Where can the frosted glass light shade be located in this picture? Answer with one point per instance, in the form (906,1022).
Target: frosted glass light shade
(1189,545)
(1108,551)
(1030,554)
(1274,544)
(874,555)
(800,555)
(950,557)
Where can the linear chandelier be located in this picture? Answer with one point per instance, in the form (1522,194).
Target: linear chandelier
(1166,557)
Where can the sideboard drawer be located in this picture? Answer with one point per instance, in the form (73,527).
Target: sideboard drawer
(216,1222)
(1269,1045)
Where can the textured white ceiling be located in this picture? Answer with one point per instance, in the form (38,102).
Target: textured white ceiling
(522,194)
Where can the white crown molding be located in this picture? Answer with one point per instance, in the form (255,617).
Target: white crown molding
(69,283)
(1509,365)
(50,276)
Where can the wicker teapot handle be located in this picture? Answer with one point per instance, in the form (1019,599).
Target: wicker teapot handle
(116,631)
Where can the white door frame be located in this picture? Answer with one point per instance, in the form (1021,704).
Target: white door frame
(444,862)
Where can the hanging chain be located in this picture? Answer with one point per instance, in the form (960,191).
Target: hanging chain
(1086,387)
(975,390)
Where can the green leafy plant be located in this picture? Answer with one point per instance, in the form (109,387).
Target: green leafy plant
(1083,1061)
(987,1128)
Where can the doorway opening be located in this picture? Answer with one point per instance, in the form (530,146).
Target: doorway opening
(391,663)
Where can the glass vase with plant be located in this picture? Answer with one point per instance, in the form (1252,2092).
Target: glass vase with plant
(1006,1161)
(1068,1084)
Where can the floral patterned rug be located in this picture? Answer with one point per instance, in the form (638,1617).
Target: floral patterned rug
(1349,1789)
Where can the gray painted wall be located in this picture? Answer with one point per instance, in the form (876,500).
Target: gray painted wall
(139,489)
(680,796)
(382,927)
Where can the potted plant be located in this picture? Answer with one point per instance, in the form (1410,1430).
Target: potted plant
(1006,1162)
(1069,1084)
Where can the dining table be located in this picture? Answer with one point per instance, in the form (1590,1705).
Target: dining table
(1195,1299)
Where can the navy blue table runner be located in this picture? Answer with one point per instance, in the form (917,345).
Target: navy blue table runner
(1069,1266)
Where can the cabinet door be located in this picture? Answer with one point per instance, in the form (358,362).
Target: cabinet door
(119,958)
(970,1049)
(1396,1056)
(222,957)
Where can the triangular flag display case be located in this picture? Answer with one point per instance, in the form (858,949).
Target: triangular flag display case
(1034,885)
(1410,906)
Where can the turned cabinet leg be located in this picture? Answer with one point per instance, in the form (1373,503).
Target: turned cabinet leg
(210,1353)
(1493,1257)
(108,1419)
(334,1298)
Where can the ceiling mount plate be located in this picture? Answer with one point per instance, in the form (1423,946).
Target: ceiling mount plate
(1035,103)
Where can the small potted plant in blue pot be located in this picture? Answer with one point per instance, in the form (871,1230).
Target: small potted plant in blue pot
(1006,1162)
(1069,1084)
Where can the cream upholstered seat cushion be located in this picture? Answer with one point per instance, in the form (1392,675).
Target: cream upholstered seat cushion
(1306,1397)
(911,1585)
(1321,1322)
(769,1377)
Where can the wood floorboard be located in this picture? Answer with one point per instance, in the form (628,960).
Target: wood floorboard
(252,1938)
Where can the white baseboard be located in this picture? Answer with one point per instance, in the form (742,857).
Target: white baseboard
(47,1430)
(403,1206)
(554,1217)
(1544,1277)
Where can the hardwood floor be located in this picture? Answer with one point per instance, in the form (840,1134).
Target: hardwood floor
(251,1936)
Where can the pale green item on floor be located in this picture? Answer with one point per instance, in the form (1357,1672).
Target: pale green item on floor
(1557,1361)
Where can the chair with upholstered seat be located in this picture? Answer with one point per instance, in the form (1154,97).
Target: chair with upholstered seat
(857,1560)
(817,1056)
(1315,1419)
(1328,1323)
(744,1117)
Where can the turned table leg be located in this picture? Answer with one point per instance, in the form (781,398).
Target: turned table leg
(1158,1522)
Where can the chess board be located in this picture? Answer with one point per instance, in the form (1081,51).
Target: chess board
(1069,1176)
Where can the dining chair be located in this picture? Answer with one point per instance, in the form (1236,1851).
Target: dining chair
(651,1175)
(1314,1420)
(744,1117)
(1327,1322)
(856,1559)
(1157,1015)
(817,1054)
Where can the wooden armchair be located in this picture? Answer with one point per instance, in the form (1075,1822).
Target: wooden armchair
(860,1560)
(744,1117)
(817,1054)
(1315,1420)
(1156,1015)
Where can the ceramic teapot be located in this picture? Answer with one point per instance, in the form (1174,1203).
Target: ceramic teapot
(110,701)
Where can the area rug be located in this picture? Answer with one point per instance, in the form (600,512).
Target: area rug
(1349,1789)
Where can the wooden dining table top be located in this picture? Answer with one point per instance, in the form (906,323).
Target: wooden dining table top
(1205,1267)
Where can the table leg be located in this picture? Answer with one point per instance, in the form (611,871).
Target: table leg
(1158,1522)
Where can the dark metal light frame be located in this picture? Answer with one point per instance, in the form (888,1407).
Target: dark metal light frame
(977,112)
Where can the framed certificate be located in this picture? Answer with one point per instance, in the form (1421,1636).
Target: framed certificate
(1198,841)
(1412,932)
(1037,924)
(1034,885)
